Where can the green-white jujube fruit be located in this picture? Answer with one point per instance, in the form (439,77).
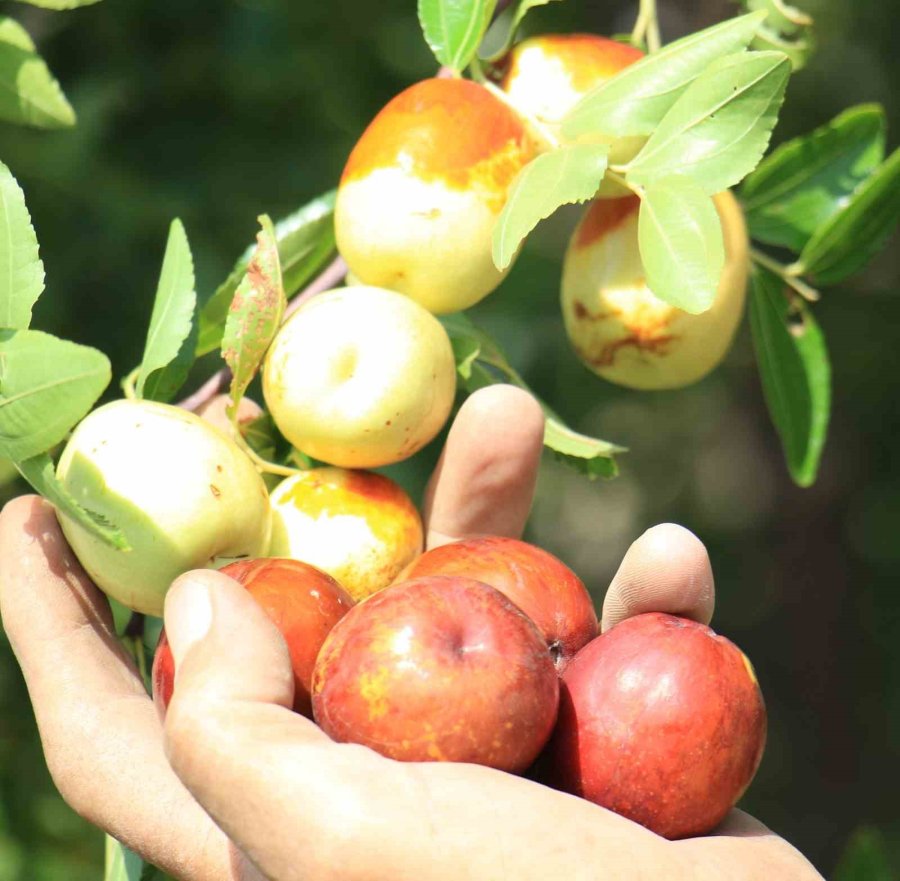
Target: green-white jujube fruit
(183,494)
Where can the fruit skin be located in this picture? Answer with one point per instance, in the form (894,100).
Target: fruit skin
(360,377)
(183,494)
(624,333)
(546,76)
(422,189)
(662,721)
(303,602)
(438,669)
(542,586)
(360,527)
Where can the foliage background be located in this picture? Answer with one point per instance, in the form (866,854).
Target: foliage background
(215,112)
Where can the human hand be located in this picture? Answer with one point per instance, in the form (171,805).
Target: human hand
(238,787)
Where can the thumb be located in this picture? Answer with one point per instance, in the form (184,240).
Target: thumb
(229,719)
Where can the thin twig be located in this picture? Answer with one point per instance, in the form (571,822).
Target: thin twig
(806,291)
(213,386)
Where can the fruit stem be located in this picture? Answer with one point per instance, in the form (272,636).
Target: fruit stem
(646,27)
(809,293)
(262,464)
(128,384)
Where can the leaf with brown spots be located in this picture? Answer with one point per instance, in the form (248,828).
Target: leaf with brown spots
(255,314)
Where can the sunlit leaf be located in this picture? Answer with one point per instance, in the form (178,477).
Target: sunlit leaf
(60,4)
(169,349)
(29,95)
(454,29)
(634,101)
(21,269)
(255,313)
(809,179)
(718,130)
(46,386)
(680,238)
(569,174)
(795,373)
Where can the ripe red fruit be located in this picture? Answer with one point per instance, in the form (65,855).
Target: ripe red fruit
(438,669)
(662,721)
(302,601)
(542,586)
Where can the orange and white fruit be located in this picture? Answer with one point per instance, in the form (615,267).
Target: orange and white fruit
(360,377)
(422,190)
(619,328)
(360,528)
(544,77)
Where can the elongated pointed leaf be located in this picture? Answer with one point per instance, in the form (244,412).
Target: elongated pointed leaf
(305,245)
(718,130)
(481,362)
(522,9)
(681,244)
(40,473)
(780,15)
(169,349)
(852,236)
(635,101)
(795,372)
(255,313)
(569,174)
(21,269)
(46,386)
(454,29)
(29,95)
(809,179)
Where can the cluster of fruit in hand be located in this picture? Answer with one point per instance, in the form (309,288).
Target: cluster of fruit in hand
(484,651)
(488,652)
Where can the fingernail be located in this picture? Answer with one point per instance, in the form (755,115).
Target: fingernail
(188,615)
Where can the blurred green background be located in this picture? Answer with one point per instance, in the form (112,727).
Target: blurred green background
(217,111)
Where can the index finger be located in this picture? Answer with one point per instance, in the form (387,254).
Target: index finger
(666,570)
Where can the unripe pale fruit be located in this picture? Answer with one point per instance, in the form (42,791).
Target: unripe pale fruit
(542,586)
(303,602)
(546,76)
(183,494)
(423,188)
(619,328)
(660,720)
(360,377)
(438,669)
(361,528)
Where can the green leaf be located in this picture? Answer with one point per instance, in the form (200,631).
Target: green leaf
(795,373)
(680,238)
(523,8)
(169,349)
(634,101)
(798,50)
(809,179)
(569,174)
(60,4)
(454,29)
(21,269)
(29,95)
(39,472)
(46,386)
(851,237)
(781,16)
(786,29)
(481,362)
(305,244)
(255,314)
(718,130)
(865,858)
(8,471)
